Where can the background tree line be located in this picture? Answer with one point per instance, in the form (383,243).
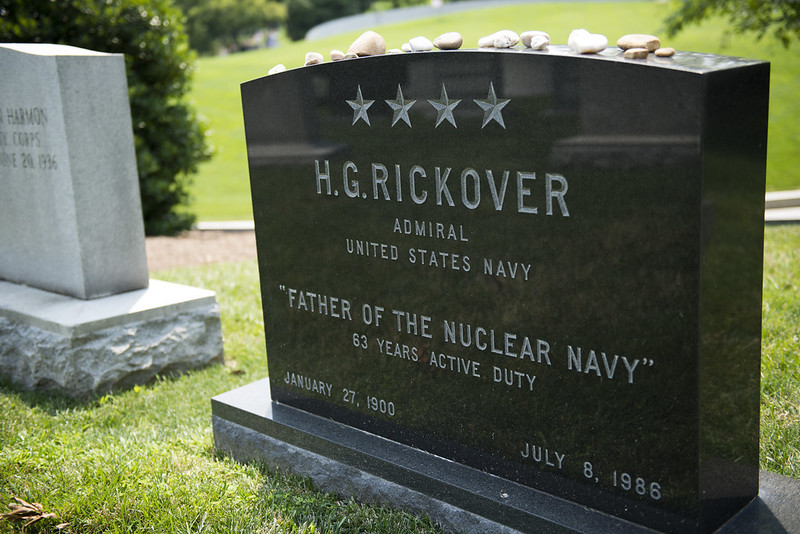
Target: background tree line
(213,25)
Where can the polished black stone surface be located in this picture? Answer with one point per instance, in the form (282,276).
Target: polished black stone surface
(543,266)
(346,461)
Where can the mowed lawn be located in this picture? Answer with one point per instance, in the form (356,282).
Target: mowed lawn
(221,190)
(143,460)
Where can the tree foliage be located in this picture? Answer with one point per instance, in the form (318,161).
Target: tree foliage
(169,138)
(302,15)
(212,24)
(384,5)
(781,17)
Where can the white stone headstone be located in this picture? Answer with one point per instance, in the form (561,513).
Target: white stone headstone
(70,210)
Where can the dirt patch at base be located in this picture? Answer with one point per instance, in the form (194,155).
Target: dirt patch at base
(199,248)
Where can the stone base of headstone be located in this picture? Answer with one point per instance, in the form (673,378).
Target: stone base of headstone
(50,341)
(249,426)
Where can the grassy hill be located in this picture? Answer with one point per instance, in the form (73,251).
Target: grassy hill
(221,190)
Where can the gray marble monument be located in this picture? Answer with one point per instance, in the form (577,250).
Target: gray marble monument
(78,312)
(70,214)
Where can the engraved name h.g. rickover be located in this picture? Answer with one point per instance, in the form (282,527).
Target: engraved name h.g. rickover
(421,186)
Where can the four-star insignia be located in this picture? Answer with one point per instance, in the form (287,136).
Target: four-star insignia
(491,105)
(400,107)
(444,108)
(360,107)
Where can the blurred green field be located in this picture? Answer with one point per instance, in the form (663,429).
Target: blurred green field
(221,190)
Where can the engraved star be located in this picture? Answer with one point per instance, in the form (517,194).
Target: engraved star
(400,107)
(444,108)
(492,108)
(360,107)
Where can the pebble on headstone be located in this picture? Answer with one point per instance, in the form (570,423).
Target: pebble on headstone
(395,51)
(313,58)
(350,55)
(536,40)
(420,44)
(449,41)
(639,40)
(665,52)
(280,67)
(406,47)
(337,55)
(499,39)
(584,42)
(368,44)
(636,53)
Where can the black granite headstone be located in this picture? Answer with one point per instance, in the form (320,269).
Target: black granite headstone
(541,266)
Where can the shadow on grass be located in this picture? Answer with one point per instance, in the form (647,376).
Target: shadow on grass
(53,402)
(296,503)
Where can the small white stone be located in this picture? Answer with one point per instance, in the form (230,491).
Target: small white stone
(420,44)
(313,58)
(665,52)
(395,51)
(368,44)
(500,39)
(406,47)
(584,42)
(508,35)
(486,42)
(280,67)
(350,55)
(535,39)
(449,41)
(337,55)
(540,42)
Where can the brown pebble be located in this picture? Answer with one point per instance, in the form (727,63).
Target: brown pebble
(665,52)
(639,40)
(368,44)
(449,41)
(313,58)
(636,53)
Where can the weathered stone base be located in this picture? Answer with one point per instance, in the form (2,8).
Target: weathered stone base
(81,347)
(249,427)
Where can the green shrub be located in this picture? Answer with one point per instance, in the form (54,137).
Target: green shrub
(169,137)
(215,24)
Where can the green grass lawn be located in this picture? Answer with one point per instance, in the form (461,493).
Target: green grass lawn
(143,460)
(221,190)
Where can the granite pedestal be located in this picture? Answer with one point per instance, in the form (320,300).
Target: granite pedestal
(82,347)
